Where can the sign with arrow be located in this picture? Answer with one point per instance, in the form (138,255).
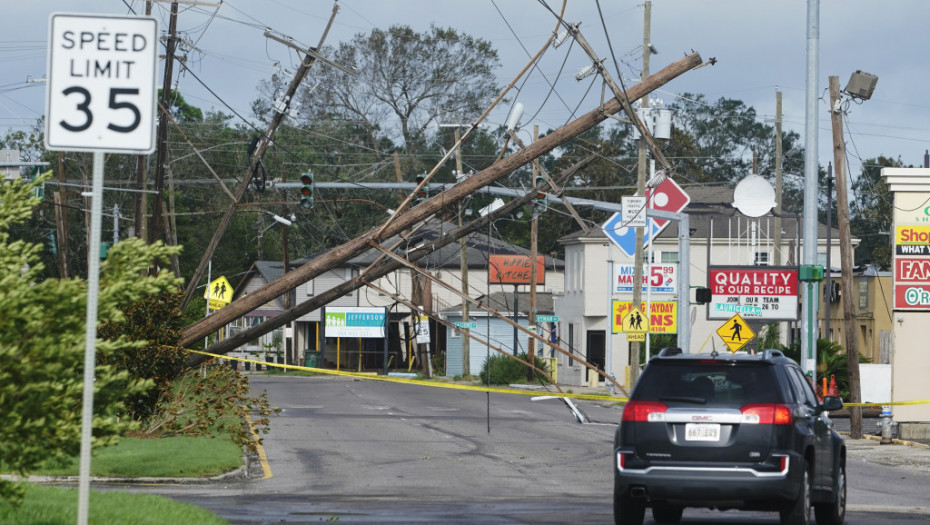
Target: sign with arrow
(668,196)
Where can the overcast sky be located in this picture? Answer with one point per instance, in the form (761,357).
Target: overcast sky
(760,46)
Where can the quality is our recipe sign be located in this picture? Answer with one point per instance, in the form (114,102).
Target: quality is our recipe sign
(769,293)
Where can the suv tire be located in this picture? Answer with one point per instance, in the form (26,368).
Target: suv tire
(628,511)
(834,513)
(798,512)
(665,513)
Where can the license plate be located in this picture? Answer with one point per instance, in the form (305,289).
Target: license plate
(702,432)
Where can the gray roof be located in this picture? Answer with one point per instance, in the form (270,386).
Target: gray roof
(478,246)
(502,302)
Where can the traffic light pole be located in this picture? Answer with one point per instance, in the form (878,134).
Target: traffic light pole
(265,141)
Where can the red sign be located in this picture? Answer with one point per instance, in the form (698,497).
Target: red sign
(668,197)
(754,282)
(910,269)
(763,292)
(515,269)
(911,283)
(912,297)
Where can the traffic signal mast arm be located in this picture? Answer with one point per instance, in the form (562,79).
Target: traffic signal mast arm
(374,271)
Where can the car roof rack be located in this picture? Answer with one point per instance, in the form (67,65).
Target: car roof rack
(670,351)
(772,353)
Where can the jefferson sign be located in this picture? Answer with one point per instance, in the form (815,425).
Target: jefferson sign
(764,292)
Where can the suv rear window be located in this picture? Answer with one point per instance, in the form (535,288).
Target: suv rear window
(720,383)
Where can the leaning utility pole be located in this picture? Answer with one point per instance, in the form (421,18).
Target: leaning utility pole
(846,258)
(404,220)
(640,190)
(263,143)
(534,244)
(463,260)
(154,233)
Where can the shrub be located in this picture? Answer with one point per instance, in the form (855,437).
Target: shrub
(506,370)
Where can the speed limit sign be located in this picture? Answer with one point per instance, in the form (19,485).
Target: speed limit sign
(101,83)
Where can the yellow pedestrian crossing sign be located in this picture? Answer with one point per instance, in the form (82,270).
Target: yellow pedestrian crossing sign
(218,294)
(735,333)
(635,324)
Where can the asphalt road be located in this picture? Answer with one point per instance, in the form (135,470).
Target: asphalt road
(361,451)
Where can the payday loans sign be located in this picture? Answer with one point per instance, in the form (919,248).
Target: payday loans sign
(755,292)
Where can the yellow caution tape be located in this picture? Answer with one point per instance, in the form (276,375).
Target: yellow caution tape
(889,403)
(475,388)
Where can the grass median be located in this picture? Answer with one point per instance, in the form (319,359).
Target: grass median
(54,505)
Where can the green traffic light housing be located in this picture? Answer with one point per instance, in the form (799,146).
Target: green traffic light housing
(306,190)
(540,200)
(423,192)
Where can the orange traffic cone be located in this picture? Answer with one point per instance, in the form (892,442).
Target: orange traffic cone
(832,390)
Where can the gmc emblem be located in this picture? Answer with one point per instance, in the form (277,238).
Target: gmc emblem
(702,418)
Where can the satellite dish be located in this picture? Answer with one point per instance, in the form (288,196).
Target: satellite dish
(513,120)
(754,196)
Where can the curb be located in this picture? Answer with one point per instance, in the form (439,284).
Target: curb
(241,471)
(894,441)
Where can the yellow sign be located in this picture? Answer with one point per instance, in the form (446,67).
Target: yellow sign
(635,324)
(218,294)
(735,333)
(912,235)
(663,316)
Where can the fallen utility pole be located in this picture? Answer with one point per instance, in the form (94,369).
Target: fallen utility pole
(260,148)
(402,221)
(374,271)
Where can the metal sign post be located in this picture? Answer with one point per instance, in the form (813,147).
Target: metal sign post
(100,98)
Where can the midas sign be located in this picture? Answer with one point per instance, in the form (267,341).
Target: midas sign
(663,316)
(912,235)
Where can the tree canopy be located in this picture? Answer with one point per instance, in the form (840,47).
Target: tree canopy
(42,343)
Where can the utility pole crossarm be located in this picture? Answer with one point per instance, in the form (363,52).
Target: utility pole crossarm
(624,100)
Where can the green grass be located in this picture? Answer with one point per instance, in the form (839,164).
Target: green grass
(54,505)
(164,457)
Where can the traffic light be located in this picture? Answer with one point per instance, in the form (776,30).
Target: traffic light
(422,193)
(306,190)
(540,200)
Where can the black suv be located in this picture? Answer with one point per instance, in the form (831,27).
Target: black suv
(733,431)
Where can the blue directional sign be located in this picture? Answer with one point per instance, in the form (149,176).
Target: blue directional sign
(625,237)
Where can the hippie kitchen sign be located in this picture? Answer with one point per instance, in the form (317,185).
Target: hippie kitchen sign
(756,292)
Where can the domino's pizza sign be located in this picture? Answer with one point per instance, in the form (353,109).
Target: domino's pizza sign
(101,83)
(667,196)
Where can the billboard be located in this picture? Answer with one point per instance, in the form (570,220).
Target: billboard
(663,316)
(661,278)
(515,269)
(760,292)
(354,322)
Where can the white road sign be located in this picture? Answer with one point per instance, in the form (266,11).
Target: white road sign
(101,83)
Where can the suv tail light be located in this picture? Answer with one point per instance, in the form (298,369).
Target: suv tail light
(766,414)
(644,411)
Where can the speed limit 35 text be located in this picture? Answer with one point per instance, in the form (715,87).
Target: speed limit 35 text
(107,42)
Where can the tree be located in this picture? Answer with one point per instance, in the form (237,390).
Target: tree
(871,212)
(42,343)
(406,81)
(716,142)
